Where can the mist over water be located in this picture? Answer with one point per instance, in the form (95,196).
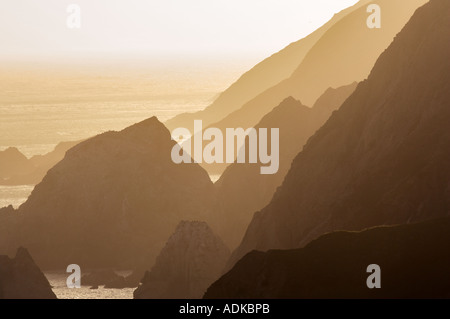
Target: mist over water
(43,104)
(49,124)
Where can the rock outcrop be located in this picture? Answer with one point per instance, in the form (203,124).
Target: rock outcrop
(112,200)
(382,158)
(21,278)
(414,261)
(12,162)
(191,260)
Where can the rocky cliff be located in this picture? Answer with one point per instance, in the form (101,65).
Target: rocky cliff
(382,158)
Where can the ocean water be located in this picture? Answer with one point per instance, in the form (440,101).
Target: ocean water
(14,195)
(58,281)
(36,129)
(41,106)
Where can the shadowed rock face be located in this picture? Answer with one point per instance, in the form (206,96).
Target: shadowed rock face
(382,158)
(242,189)
(20,278)
(191,260)
(414,261)
(112,200)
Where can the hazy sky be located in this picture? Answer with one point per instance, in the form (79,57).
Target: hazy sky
(160,27)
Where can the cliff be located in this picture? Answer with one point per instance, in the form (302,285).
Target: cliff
(382,158)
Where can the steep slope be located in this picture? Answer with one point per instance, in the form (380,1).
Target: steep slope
(344,54)
(112,199)
(382,158)
(263,76)
(414,262)
(242,189)
(21,278)
(191,260)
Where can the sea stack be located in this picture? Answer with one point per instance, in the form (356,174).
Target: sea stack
(192,259)
(21,278)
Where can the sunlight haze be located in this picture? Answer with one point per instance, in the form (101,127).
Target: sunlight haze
(160,27)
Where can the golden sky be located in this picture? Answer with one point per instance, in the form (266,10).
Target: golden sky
(160,27)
